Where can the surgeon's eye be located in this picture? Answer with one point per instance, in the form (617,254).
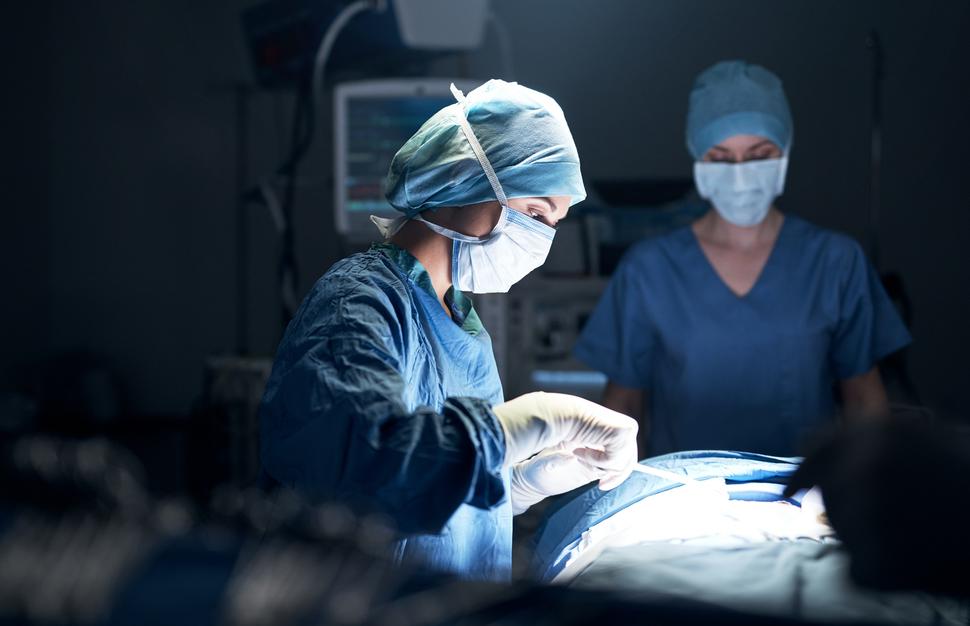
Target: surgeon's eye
(543,218)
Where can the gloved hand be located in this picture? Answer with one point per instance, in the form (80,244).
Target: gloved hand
(603,438)
(549,473)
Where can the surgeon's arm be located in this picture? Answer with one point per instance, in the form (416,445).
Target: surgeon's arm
(334,423)
(864,397)
(629,401)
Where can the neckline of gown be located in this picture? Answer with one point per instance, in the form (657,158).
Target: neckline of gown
(764,274)
(464,316)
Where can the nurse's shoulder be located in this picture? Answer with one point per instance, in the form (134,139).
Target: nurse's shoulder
(656,256)
(837,254)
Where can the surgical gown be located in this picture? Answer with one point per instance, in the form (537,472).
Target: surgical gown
(379,398)
(752,373)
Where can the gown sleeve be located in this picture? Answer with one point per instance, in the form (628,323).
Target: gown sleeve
(334,425)
(618,339)
(869,327)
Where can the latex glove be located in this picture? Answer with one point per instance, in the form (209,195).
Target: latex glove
(549,473)
(603,438)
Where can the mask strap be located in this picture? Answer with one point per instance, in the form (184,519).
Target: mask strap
(477,148)
(389,227)
(457,236)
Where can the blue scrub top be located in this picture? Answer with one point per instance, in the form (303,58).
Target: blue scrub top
(379,398)
(752,373)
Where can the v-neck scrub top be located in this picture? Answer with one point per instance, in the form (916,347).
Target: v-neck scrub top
(754,372)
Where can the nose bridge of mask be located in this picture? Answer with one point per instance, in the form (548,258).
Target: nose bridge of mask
(740,175)
(531,225)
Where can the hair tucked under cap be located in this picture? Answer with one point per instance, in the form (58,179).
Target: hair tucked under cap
(737,98)
(524,135)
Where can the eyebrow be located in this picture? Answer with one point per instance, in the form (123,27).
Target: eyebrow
(760,144)
(549,203)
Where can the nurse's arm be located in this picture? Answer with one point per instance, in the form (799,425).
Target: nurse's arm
(629,401)
(864,397)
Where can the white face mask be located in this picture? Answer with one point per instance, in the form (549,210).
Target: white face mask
(741,193)
(492,264)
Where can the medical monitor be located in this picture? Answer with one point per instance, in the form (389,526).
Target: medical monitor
(372,120)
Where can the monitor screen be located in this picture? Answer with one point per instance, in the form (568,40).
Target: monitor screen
(373,120)
(376,130)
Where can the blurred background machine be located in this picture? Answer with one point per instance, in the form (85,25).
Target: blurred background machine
(534,328)
(372,120)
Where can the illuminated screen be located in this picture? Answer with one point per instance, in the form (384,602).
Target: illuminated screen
(376,130)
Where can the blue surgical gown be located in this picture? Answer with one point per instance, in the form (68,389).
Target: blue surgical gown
(379,398)
(752,373)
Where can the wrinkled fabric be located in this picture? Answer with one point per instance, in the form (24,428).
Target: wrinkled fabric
(737,98)
(801,581)
(571,515)
(524,136)
(378,398)
(752,373)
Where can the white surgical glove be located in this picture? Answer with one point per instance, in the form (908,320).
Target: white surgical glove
(549,473)
(603,438)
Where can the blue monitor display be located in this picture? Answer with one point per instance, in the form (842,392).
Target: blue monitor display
(376,130)
(372,120)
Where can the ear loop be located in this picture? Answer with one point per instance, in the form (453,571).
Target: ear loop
(457,236)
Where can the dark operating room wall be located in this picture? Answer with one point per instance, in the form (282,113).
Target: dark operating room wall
(143,192)
(134,242)
(24,161)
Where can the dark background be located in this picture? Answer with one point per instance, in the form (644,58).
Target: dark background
(119,141)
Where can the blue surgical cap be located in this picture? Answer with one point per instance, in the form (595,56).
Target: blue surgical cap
(525,138)
(737,98)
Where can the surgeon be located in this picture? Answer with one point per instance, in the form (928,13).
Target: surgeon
(385,392)
(733,332)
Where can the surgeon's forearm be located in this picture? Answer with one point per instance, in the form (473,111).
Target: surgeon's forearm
(623,399)
(629,401)
(864,396)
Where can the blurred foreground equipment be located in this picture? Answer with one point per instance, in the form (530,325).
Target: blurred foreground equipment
(82,543)
(896,494)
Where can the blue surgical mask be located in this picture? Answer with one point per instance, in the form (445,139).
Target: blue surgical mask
(742,193)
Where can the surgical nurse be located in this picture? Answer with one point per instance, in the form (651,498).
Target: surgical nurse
(385,391)
(733,332)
